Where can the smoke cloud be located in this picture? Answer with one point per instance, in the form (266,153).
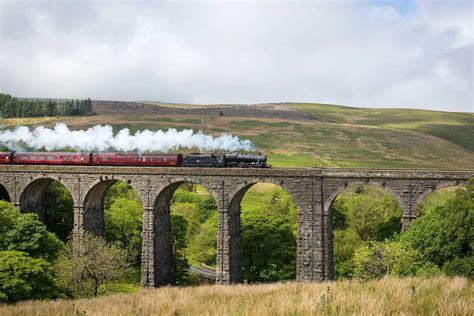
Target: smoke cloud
(101,138)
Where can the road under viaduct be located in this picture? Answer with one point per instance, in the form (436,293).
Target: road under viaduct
(313,191)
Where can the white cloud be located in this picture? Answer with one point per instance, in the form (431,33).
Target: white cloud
(347,53)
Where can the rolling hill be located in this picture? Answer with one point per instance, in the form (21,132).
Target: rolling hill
(305,134)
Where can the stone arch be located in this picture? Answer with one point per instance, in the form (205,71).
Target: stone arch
(328,210)
(434,188)
(334,194)
(248,183)
(32,193)
(4,195)
(93,204)
(161,240)
(234,229)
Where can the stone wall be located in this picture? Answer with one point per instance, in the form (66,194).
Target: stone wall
(313,191)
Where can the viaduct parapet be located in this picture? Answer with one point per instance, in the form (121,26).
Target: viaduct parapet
(313,191)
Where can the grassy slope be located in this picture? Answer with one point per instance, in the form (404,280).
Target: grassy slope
(455,127)
(410,296)
(348,137)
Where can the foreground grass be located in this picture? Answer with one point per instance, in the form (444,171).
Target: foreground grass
(413,296)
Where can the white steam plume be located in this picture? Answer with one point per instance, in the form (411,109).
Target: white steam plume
(102,138)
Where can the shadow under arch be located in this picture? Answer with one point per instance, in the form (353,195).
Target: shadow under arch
(328,209)
(4,196)
(235,229)
(93,205)
(53,202)
(32,194)
(162,248)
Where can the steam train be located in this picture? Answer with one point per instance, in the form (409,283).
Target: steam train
(224,160)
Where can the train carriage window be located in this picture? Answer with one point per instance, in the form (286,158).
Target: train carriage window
(50,157)
(105,158)
(41,157)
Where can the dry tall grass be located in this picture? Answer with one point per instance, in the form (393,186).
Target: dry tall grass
(412,296)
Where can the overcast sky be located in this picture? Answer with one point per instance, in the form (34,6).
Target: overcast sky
(369,53)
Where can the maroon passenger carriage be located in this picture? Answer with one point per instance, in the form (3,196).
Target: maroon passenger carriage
(51,158)
(101,159)
(119,159)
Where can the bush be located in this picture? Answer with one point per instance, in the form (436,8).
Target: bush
(444,236)
(180,262)
(395,258)
(22,277)
(345,244)
(269,249)
(58,210)
(8,215)
(83,268)
(202,247)
(460,266)
(123,224)
(29,235)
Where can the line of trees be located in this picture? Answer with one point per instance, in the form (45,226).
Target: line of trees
(14,107)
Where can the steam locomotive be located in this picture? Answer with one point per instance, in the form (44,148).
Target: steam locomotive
(224,160)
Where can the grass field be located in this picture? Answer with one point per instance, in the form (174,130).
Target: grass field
(347,137)
(411,296)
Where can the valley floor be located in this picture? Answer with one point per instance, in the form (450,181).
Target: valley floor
(410,296)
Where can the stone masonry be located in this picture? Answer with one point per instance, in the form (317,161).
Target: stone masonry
(313,191)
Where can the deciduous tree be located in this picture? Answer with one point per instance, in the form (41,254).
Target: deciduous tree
(83,267)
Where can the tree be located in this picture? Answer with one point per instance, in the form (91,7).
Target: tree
(123,224)
(58,210)
(396,258)
(82,268)
(120,190)
(8,215)
(207,206)
(29,235)
(269,248)
(445,236)
(346,241)
(180,263)
(14,107)
(202,247)
(370,211)
(22,277)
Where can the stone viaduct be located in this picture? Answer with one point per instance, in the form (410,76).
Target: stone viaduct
(313,191)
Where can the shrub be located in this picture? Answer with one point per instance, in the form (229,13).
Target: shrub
(83,268)
(444,236)
(22,277)
(269,248)
(396,258)
(29,235)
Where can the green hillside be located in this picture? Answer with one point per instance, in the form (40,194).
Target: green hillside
(454,127)
(342,137)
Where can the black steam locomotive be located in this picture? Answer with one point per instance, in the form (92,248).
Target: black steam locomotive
(227,160)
